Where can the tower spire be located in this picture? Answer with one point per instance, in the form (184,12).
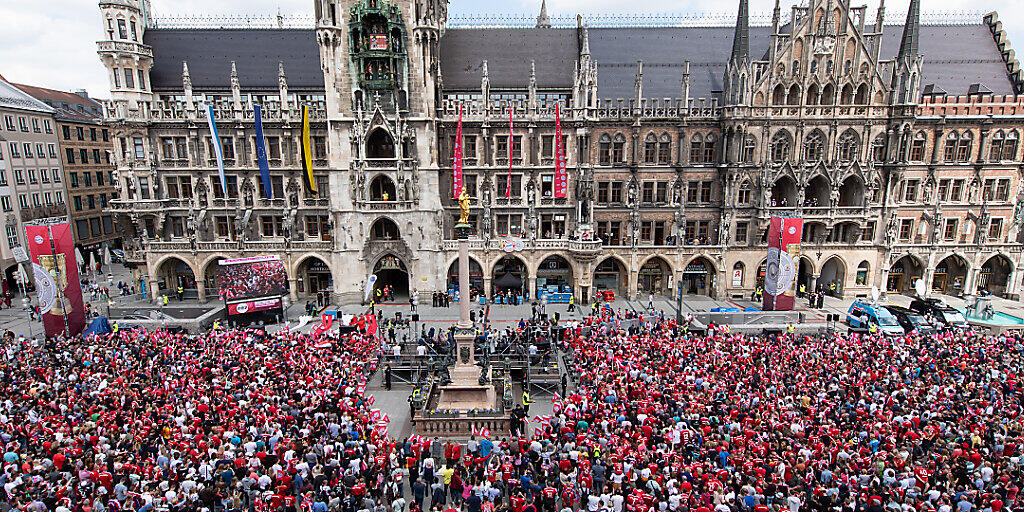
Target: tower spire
(741,39)
(543,20)
(911,32)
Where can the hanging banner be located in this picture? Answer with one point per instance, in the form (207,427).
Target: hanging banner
(511,151)
(60,291)
(780,269)
(218,150)
(560,177)
(261,153)
(457,158)
(307,155)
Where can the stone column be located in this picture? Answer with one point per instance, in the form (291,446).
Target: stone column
(811,286)
(464,285)
(154,291)
(201,291)
(293,291)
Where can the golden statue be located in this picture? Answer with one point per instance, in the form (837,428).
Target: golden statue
(463,207)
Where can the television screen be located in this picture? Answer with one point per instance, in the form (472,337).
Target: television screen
(252,278)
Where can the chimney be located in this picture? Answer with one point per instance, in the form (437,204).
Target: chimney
(82,92)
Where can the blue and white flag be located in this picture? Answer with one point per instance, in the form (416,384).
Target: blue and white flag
(261,154)
(217,149)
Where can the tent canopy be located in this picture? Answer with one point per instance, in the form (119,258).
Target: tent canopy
(99,325)
(508,280)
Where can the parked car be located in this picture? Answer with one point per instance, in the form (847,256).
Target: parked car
(912,320)
(862,315)
(947,316)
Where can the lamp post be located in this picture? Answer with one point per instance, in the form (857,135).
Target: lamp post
(28,304)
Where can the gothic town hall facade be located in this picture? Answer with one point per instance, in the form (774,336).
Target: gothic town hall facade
(897,142)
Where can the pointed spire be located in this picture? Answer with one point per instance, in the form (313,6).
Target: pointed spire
(586,41)
(880,17)
(533,73)
(776,15)
(280,69)
(911,32)
(234,71)
(741,39)
(186,79)
(638,85)
(543,20)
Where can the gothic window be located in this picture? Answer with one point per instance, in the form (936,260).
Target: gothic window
(709,149)
(814,66)
(696,144)
(812,94)
(604,150)
(878,149)
(918,146)
(862,95)
(749,144)
(828,67)
(780,146)
(949,151)
(849,146)
(846,97)
(963,149)
(664,149)
(744,194)
(779,95)
(1010,146)
(619,149)
(650,148)
(794,95)
(847,67)
(814,147)
(828,94)
(796,67)
(995,153)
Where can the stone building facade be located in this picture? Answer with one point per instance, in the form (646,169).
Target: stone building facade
(31,187)
(900,153)
(85,151)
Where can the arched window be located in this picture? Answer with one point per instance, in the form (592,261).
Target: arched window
(709,148)
(813,94)
(696,145)
(619,149)
(794,95)
(779,95)
(1010,146)
(995,152)
(848,67)
(814,147)
(737,269)
(849,146)
(828,94)
(650,148)
(796,67)
(963,149)
(862,95)
(814,66)
(749,146)
(780,146)
(664,149)
(918,146)
(846,97)
(862,273)
(949,151)
(604,149)
(878,149)
(744,194)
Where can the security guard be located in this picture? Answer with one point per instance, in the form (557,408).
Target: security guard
(216,325)
(181,293)
(873,328)
(790,329)
(526,402)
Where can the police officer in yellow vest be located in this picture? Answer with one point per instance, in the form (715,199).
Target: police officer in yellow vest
(790,329)
(526,401)
(181,293)
(872,328)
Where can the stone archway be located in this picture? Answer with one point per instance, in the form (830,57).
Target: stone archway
(995,274)
(209,270)
(832,278)
(380,144)
(382,188)
(805,276)
(393,275)
(476,276)
(655,278)
(784,192)
(313,274)
(556,278)
(950,276)
(698,277)
(903,273)
(510,276)
(173,272)
(610,275)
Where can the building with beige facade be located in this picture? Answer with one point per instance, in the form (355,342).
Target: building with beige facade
(895,141)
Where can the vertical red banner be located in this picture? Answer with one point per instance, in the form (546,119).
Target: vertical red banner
(58,288)
(560,177)
(457,181)
(780,270)
(511,151)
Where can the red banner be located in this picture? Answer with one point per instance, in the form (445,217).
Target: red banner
(560,177)
(780,269)
(58,288)
(251,306)
(457,186)
(511,148)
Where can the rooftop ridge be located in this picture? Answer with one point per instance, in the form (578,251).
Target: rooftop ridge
(516,20)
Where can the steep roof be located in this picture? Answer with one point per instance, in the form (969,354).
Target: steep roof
(508,52)
(67,105)
(13,97)
(256,52)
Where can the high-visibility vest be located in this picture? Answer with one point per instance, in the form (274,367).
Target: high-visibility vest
(526,398)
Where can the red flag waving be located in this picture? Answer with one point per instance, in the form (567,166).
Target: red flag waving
(457,188)
(560,177)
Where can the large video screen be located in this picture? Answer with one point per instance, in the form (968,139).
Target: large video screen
(252,278)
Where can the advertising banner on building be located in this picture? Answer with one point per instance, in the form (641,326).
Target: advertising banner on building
(251,306)
(780,269)
(59,290)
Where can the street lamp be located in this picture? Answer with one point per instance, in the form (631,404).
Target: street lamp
(28,304)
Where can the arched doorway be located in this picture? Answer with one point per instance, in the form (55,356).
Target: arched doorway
(655,277)
(509,277)
(950,275)
(817,193)
(554,277)
(476,276)
(804,271)
(174,273)
(832,279)
(851,192)
(762,269)
(903,274)
(313,276)
(380,144)
(784,192)
(384,229)
(610,275)
(391,272)
(210,275)
(995,275)
(382,189)
(698,277)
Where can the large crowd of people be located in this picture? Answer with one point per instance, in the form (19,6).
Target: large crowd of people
(658,420)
